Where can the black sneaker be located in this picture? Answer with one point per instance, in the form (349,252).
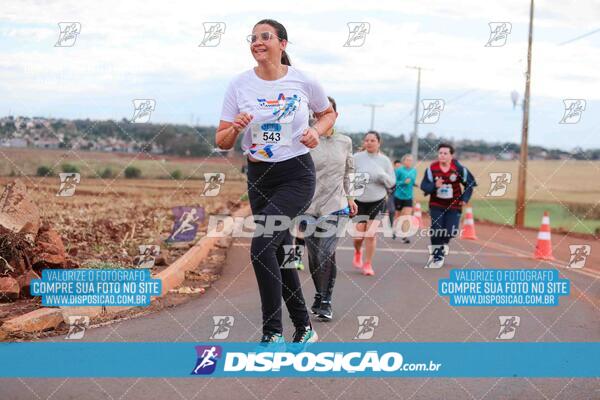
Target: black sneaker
(306,334)
(316,304)
(405,240)
(325,313)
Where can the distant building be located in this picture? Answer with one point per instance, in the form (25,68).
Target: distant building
(469,155)
(508,155)
(47,143)
(156,149)
(13,142)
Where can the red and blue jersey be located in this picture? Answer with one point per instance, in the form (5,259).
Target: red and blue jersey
(450,194)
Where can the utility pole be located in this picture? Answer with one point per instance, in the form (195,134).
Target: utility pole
(523,156)
(373,106)
(415,137)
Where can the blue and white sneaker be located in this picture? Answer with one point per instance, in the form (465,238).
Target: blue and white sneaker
(271,342)
(306,334)
(303,337)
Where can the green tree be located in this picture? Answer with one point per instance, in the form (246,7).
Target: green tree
(132,172)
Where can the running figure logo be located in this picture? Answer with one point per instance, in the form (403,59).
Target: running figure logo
(500,182)
(437,255)
(579,255)
(508,327)
(366,326)
(186,224)
(574,108)
(68,34)
(142,110)
(357,33)
(432,109)
(293,253)
(499,32)
(358,183)
(213,182)
(223,324)
(77,326)
(147,256)
(207,359)
(68,183)
(212,34)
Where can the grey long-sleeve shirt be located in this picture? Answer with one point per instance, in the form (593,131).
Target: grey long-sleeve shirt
(381,174)
(333,163)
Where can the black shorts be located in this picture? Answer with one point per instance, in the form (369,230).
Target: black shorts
(371,209)
(400,204)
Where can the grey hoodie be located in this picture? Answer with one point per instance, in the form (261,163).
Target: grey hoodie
(333,163)
(381,175)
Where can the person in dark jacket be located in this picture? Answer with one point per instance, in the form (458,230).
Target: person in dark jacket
(450,186)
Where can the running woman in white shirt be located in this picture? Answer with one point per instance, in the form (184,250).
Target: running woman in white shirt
(270,105)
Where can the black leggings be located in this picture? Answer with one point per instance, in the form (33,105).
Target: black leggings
(321,258)
(283,188)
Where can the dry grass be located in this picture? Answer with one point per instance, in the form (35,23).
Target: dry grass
(547,181)
(92,164)
(107,220)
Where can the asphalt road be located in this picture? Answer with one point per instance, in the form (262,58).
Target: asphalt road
(402,294)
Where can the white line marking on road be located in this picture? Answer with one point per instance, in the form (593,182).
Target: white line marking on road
(425,251)
(511,252)
(555,263)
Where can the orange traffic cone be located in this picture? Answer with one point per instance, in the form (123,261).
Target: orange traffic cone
(468,230)
(417,216)
(543,247)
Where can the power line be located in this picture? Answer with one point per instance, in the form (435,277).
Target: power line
(460,96)
(580,37)
(452,100)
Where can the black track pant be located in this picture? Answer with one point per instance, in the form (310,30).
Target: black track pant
(321,257)
(283,188)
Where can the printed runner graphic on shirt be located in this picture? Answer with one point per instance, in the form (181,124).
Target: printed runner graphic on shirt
(278,131)
(284,108)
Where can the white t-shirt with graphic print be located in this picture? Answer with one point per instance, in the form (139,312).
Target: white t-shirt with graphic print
(280,109)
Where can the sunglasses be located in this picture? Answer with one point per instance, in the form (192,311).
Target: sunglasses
(263,36)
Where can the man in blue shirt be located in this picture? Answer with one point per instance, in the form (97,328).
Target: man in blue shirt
(406,177)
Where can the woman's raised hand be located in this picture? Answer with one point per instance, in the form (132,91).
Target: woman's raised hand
(241,121)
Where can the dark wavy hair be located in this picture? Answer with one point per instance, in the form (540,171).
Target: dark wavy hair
(281,35)
(445,145)
(333,104)
(377,135)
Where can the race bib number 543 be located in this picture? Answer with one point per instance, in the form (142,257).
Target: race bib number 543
(271,133)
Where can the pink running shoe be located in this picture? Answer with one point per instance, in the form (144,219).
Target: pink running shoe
(357,262)
(367,269)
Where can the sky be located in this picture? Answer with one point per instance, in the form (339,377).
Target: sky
(150,50)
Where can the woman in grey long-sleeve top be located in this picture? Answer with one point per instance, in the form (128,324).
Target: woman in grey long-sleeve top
(380,176)
(332,204)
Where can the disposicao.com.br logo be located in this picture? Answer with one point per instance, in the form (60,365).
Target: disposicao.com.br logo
(264,361)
